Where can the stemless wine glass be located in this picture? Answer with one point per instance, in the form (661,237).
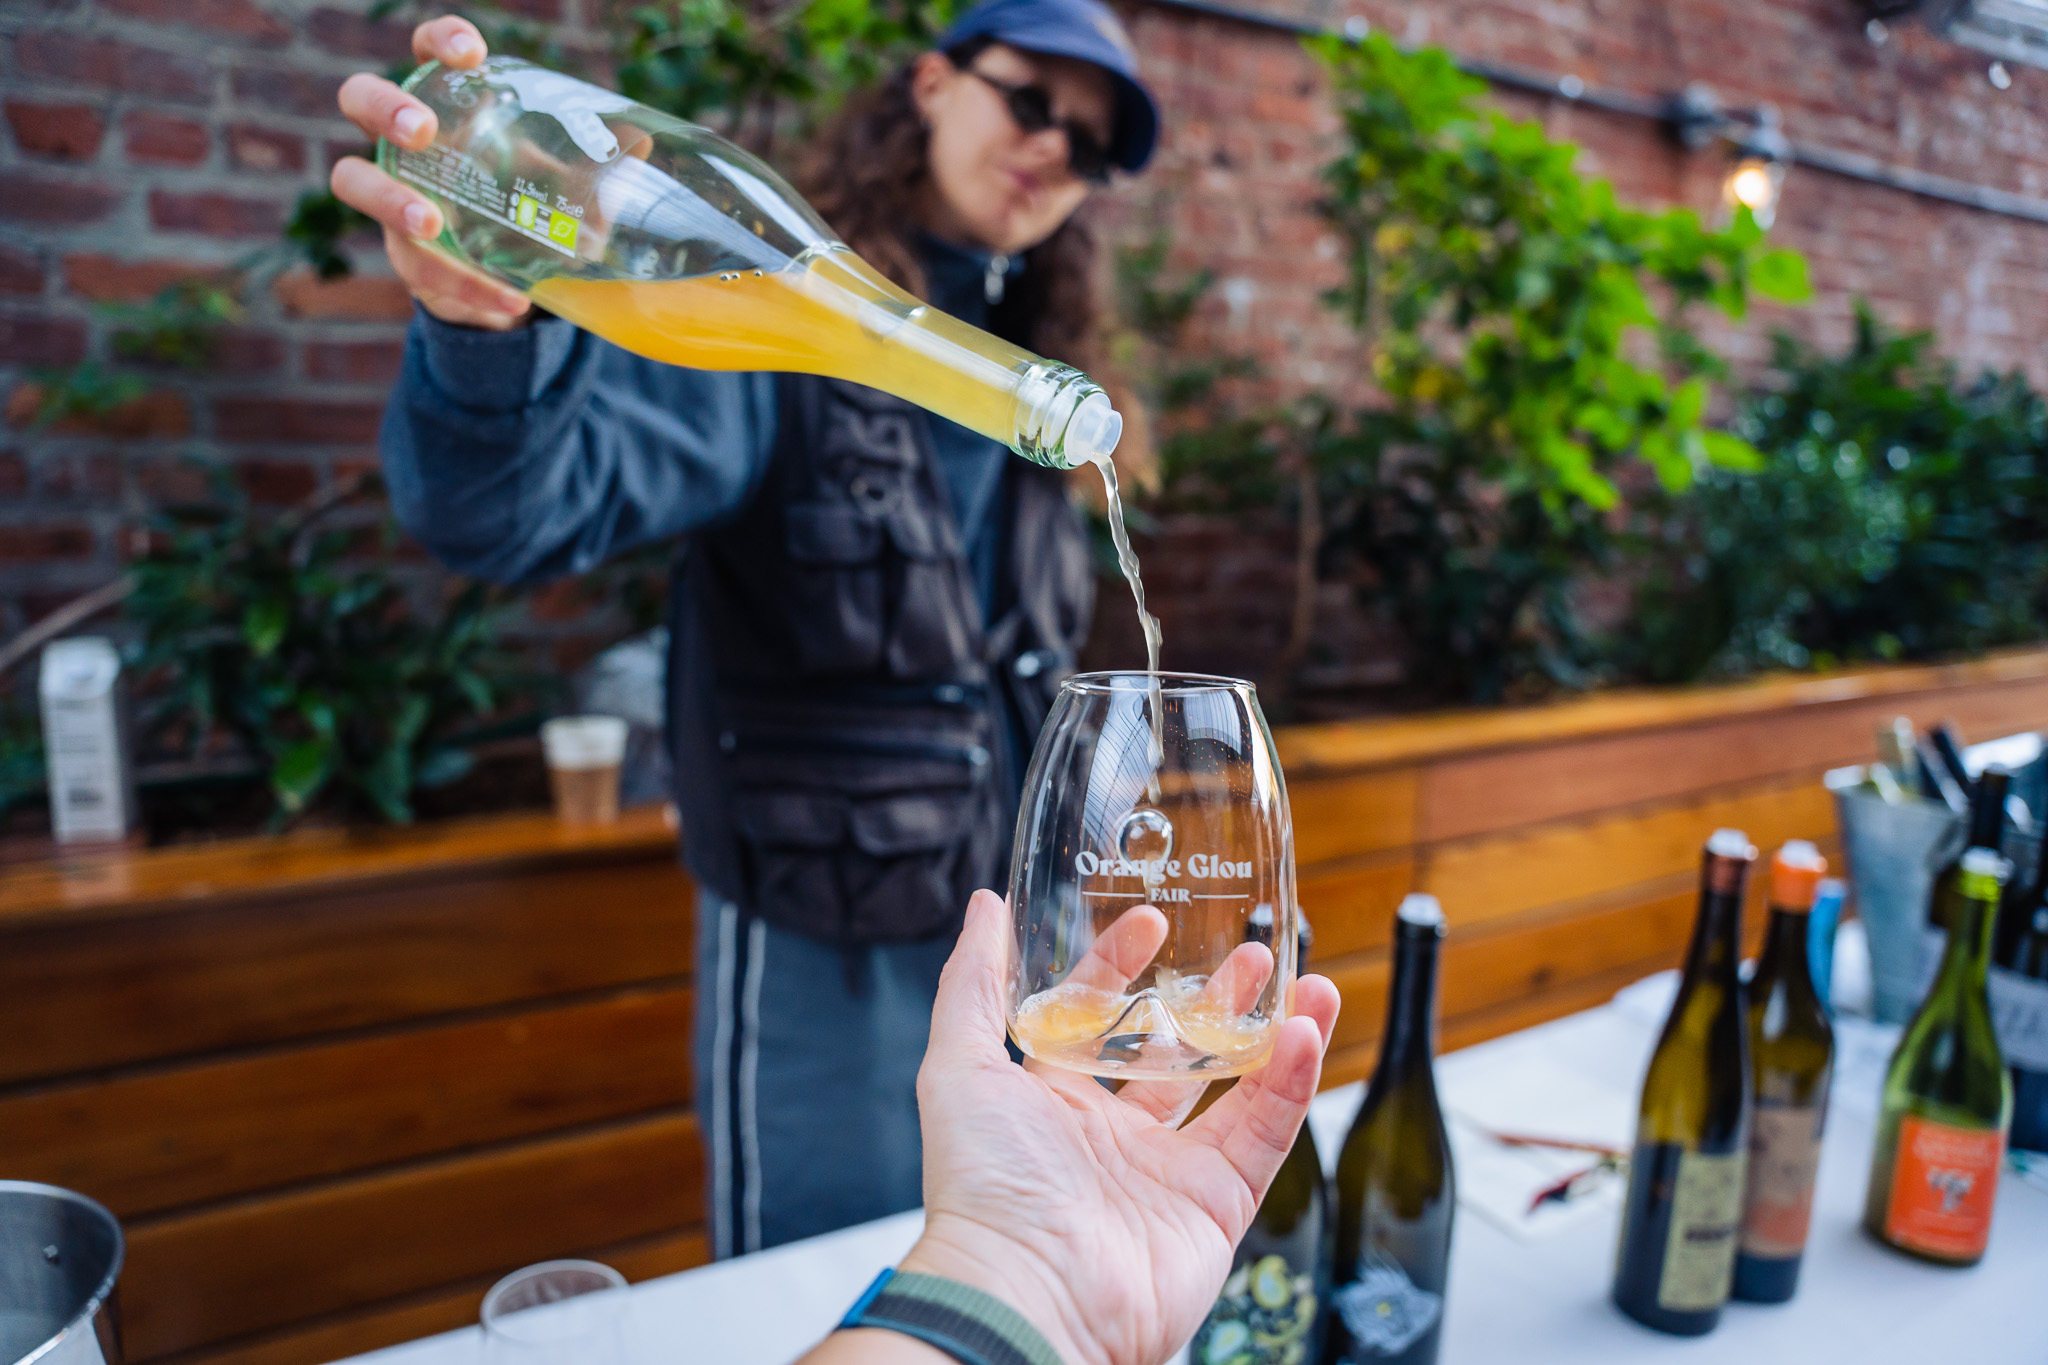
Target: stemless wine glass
(1152,884)
(557,1313)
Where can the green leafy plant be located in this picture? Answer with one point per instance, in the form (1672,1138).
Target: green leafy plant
(319,224)
(1215,455)
(256,631)
(1529,338)
(1895,516)
(179,327)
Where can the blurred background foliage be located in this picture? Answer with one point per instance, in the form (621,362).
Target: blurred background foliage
(1543,438)
(1896,516)
(263,650)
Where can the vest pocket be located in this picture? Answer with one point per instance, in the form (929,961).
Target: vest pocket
(856,843)
(835,586)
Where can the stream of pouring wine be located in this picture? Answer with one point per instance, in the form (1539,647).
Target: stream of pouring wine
(1147,622)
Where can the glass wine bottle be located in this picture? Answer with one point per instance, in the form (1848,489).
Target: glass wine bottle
(1685,1182)
(666,239)
(1791,1056)
(1947,1099)
(1987,830)
(2018,987)
(1395,1187)
(1271,1309)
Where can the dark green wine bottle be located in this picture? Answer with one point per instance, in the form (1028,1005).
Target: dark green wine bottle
(1395,1188)
(1272,1307)
(1987,830)
(1685,1180)
(1791,1056)
(2018,986)
(1947,1098)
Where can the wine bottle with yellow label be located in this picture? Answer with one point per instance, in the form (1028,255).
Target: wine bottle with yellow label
(1678,1231)
(1947,1098)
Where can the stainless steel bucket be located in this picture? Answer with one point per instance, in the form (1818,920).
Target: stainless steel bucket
(1894,852)
(60,1254)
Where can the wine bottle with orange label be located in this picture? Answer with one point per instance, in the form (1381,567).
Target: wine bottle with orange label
(1947,1097)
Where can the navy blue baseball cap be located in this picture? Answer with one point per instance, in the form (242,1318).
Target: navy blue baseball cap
(1086,30)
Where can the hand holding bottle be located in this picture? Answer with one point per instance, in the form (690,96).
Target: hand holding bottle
(1089,1212)
(378,107)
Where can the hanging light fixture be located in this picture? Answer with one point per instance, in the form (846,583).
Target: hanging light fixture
(1759,150)
(1762,156)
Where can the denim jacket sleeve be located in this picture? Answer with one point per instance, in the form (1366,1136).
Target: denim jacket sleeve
(525,455)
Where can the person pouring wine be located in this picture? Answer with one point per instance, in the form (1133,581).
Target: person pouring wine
(872,607)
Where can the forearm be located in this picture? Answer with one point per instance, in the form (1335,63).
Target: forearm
(540,452)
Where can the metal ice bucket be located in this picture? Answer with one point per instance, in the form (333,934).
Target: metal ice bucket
(60,1254)
(1894,852)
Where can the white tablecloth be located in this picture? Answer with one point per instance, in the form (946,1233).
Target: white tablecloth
(1511,1300)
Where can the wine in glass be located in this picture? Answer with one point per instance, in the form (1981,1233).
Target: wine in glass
(1152,888)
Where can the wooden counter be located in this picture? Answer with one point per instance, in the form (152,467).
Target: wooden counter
(335,1083)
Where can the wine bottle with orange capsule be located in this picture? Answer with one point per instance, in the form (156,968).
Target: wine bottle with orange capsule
(1791,1056)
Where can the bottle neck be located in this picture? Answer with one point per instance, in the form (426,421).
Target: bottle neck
(1410,1038)
(1717,933)
(1968,955)
(1785,955)
(1987,812)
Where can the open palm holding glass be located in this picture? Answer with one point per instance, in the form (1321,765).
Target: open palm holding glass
(1108,1226)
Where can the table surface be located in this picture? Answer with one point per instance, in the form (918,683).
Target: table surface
(1532,1301)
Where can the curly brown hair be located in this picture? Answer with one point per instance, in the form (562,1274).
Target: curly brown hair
(864,175)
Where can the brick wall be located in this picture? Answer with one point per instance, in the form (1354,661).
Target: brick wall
(146,140)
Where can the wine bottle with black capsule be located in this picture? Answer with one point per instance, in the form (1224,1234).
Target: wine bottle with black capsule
(2018,988)
(1396,1189)
(1947,1099)
(1676,1259)
(1272,1306)
(1791,1057)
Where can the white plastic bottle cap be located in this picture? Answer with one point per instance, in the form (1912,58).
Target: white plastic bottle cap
(1800,853)
(1731,843)
(1984,862)
(1095,429)
(1421,908)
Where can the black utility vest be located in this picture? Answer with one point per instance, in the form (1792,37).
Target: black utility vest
(836,699)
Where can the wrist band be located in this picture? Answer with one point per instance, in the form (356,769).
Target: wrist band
(972,1327)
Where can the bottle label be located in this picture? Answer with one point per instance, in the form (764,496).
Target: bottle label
(1699,1250)
(1262,1317)
(1777,1206)
(1384,1311)
(1944,1180)
(2019,1009)
(527,209)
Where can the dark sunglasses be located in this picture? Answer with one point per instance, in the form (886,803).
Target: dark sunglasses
(1031,107)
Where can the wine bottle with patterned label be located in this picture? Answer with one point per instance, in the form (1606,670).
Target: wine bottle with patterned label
(1947,1098)
(1272,1306)
(1676,1259)
(1395,1185)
